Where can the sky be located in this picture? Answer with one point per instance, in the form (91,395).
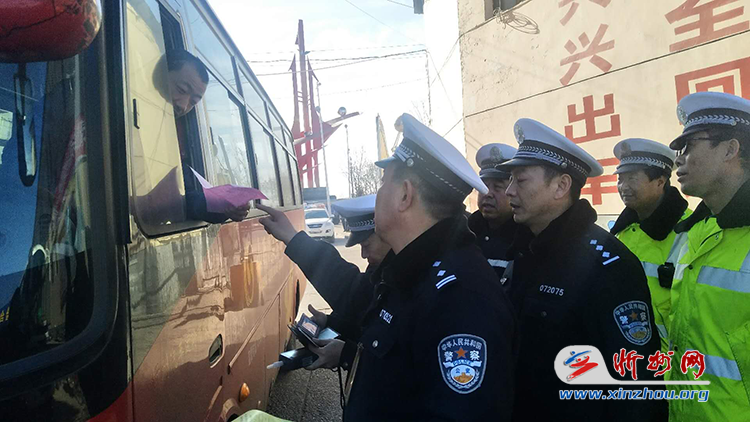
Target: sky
(265,32)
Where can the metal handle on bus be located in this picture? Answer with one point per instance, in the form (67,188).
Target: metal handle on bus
(216,350)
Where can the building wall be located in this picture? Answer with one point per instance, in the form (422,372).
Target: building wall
(597,71)
(444,60)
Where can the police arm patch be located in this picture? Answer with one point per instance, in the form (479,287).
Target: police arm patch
(463,360)
(634,321)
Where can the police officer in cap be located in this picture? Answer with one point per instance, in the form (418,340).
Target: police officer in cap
(437,342)
(710,319)
(572,283)
(493,223)
(339,282)
(653,208)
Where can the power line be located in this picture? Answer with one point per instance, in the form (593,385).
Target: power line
(343,64)
(336,59)
(374,87)
(380,22)
(375,47)
(400,4)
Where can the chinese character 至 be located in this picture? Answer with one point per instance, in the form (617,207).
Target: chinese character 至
(592,50)
(658,360)
(627,361)
(706,23)
(693,358)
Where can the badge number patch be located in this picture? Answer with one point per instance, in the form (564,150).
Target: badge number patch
(634,321)
(463,360)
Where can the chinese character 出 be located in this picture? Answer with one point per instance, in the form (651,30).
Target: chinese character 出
(589,115)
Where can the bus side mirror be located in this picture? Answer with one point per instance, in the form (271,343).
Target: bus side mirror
(44,30)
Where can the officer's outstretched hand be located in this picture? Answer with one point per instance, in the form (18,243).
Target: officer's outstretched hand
(277,225)
(328,355)
(318,317)
(238,213)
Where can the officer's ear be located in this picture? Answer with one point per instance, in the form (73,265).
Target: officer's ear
(407,194)
(732,150)
(563,183)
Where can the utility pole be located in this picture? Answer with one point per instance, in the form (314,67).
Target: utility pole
(348,161)
(323,146)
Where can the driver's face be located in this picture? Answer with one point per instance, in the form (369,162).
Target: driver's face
(186,88)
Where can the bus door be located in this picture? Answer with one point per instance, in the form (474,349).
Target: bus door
(177,285)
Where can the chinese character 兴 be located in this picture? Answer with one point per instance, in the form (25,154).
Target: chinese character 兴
(591,52)
(692,359)
(623,361)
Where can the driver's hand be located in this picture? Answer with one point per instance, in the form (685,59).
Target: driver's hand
(237,213)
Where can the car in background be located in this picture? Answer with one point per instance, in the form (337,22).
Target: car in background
(318,223)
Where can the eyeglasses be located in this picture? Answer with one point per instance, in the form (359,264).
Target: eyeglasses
(685,148)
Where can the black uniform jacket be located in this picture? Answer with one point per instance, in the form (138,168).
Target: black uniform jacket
(341,283)
(438,338)
(569,286)
(493,243)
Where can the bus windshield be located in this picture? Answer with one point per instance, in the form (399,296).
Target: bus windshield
(46,293)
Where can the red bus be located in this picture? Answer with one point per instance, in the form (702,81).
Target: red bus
(114,304)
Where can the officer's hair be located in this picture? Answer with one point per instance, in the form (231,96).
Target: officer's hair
(743,136)
(575,188)
(654,173)
(437,204)
(177,58)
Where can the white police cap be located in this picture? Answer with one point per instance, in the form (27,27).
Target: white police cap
(492,155)
(360,215)
(636,154)
(538,144)
(435,159)
(711,110)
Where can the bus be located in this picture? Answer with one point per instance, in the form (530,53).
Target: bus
(115,305)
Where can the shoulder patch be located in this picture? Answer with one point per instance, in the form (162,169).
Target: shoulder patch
(439,285)
(634,321)
(462,359)
(604,254)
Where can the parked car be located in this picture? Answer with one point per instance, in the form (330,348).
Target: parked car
(318,223)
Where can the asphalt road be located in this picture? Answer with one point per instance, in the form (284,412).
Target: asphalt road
(308,396)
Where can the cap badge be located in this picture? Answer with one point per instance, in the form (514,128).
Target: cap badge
(495,154)
(682,115)
(518,130)
(626,150)
(410,162)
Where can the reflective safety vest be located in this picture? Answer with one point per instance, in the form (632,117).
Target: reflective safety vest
(711,314)
(652,253)
(652,240)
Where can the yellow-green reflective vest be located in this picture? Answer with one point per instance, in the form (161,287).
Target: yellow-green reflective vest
(711,314)
(652,253)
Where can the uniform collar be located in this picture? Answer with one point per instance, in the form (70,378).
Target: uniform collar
(735,213)
(558,233)
(479,225)
(661,222)
(404,268)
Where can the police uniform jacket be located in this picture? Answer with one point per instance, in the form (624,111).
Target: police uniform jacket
(571,285)
(437,341)
(493,243)
(341,283)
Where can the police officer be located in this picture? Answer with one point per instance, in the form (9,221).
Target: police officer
(711,288)
(338,281)
(572,283)
(437,341)
(652,209)
(493,223)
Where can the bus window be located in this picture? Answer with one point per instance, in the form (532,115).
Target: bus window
(47,116)
(227,148)
(264,162)
(284,176)
(157,172)
(252,98)
(208,44)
